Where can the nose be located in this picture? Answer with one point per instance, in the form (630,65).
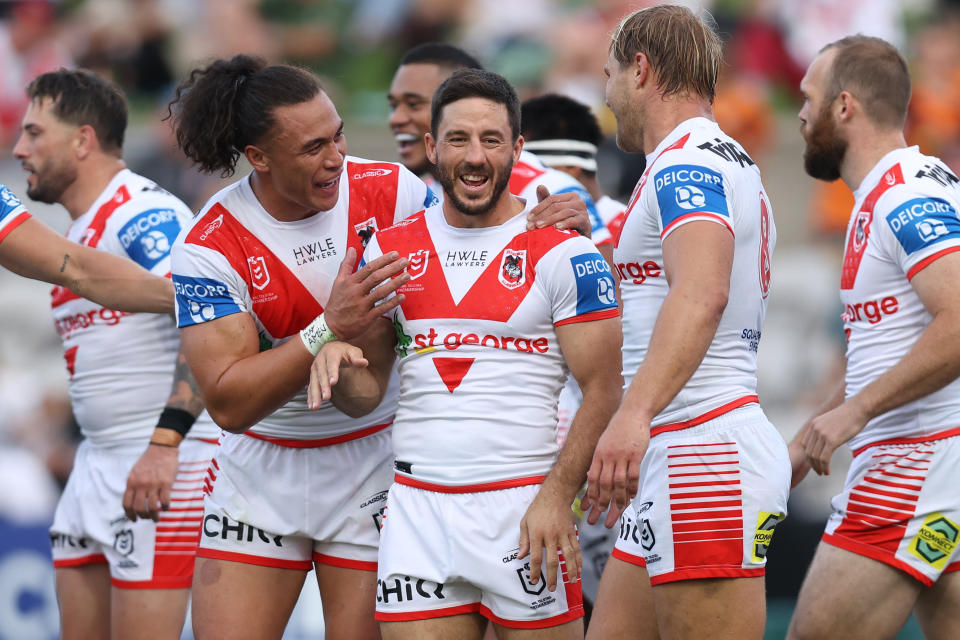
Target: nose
(399,115)
(333,157)
(474,153)
(20,149)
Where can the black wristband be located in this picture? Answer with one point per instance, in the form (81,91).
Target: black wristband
(176,420)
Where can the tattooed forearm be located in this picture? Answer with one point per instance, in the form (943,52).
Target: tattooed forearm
(185,393)
(63,267)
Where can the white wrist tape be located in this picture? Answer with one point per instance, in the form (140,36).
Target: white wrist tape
(316,334)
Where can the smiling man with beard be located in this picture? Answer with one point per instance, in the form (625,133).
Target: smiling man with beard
(889,545)
(480,504)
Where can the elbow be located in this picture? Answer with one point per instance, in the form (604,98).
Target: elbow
(230,421)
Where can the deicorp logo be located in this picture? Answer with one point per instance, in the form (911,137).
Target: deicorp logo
(201,300)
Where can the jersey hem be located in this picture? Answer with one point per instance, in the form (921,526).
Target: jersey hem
(705,417)
(699,215)
(468,488)
(700,573)
(13,224)
(867,551)
(344,563)
(926,262)
(321,442)
(66,563)
(940,435)
(590,317)
(260,561)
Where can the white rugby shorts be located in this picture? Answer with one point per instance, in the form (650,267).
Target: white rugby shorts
(900,505)
(444,554)
(287,507)
(710,496)
(89,525)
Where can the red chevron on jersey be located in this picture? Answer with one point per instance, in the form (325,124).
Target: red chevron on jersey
(635,196)
(94,232)
(452,370)
(521,177)
(281,302)
(373,197)
(495,295)
(859,231)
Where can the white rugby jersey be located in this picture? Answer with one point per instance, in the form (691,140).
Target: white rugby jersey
(612,213)
(698,173)
(904,218)
(12,212)
(480,366)
(121,364)
(237,258)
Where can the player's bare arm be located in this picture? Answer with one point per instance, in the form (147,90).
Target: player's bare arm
(562,210)
(932,363)
(153,475)
(799,463)
(35,251)
(354,375)
(592,352)
(698,258)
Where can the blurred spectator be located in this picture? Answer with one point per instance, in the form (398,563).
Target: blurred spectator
(29,46)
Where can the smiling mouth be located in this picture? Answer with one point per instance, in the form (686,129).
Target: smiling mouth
(329,183)
(473,181)
(405,141)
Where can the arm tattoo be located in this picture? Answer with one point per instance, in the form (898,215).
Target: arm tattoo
(186,393)
(63,267)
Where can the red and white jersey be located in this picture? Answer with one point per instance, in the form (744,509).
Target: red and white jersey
(121,364)
(904,218)
(698,173)
(237,258)
(12,212)
(480,366)
(612,213)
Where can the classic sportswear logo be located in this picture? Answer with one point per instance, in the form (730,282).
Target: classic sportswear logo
(213,226)
(372,173)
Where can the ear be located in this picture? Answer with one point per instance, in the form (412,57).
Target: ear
(85,142)
(431,146)
(846,106)
(257,158)
(641,69)
(517,149)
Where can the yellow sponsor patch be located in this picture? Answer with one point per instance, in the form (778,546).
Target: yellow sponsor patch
(936,540)
(764,534)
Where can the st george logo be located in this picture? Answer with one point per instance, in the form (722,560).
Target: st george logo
(513,268)
(417,263)
(259,276)
(365,230)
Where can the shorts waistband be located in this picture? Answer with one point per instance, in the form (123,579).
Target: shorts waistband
(705,417)
(321,442)
(468,488)
(940,435)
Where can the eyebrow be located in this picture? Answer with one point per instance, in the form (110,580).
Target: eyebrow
(407,95)
(310,144)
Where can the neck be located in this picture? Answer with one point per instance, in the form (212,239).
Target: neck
(507,207)
(865,150)
(274,203)
(666,114)
(591,185)
(92,178)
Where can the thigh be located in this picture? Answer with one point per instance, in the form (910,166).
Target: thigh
(937,608)
(239,601)
(721,608)
(349,598)
(572,630)
(846,595)
(624,606)
(83,594)
(148,614)
(468,626)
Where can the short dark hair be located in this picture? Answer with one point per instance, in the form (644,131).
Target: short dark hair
(440,54)
(220,109)
(476,83)
(554,116)
(81,97)
(874,71)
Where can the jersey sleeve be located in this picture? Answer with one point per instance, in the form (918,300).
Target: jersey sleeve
(413,195)
(12,212)
(688,190)
(918,228)
(206,286)
(147,234)
(578,282)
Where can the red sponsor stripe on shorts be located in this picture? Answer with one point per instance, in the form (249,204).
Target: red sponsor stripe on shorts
(345,563)
(710,525)
(686,506)
(620,554)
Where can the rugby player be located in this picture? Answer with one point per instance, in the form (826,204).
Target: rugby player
(117,576)
(888,548)
(694,258)
(481,499)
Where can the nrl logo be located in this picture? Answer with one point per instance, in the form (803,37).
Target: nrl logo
(417,263)
(512,268)
(259,276)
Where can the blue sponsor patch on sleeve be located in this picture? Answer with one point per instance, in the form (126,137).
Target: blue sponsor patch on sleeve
(431,199)
(8,202)
(201,300)
(596,290)
(921,222)
(684,189)
(147,237)
(595,221)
